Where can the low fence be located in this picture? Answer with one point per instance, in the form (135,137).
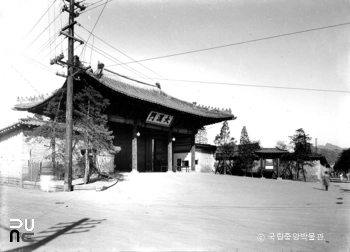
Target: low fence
(33,172)
(9,180)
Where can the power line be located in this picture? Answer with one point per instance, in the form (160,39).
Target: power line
(92,4)
(54,25)
(126,77)
(38,21)
(258,86)
(48,43)
(41,65)
(48,54)
(43,30)
(94,26)
(121,52)
(48,14)
(234,44)
(96,6)
(24,79)
(101,52)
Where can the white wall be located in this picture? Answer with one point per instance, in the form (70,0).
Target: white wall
(183,156)
(205,160)
(11,155)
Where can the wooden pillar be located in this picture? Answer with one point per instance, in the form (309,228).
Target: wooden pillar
(148,154)
(193,154)
(262,166)
(134,149)
(277,166)
(170,151)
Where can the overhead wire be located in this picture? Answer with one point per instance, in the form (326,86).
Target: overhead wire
(122,52)
(94,26)
(93,41)
(259,86)
(61,27)
(50,51)
(24,79)
(92,4)
(235,44)
(103,53)
(41,65)
(48,14)
(95,6)
(47,44)
(114,60)
(54,24)
(38,21)
(43,31)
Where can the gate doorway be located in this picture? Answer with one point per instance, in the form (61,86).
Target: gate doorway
(160,154)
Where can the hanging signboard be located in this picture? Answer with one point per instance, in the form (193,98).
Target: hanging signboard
(159,118)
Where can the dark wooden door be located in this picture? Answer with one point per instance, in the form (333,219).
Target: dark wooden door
(160,156)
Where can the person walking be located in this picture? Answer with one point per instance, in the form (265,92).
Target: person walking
(326,180)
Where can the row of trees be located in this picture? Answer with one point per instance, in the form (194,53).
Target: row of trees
(90,132)
(239,159)
(235,159)
(343,162)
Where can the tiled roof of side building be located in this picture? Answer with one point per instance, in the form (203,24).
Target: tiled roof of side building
(23,121)
(206,146)
(151,95)
(271,150)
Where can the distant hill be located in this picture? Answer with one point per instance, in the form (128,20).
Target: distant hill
(330,147)
(330,152)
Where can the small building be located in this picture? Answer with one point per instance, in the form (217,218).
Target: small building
(19,159)
(204,161)
(23,159)
(270,162)
(270,159)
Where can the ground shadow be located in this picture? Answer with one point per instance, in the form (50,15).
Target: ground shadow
(318,189)
(345,190)
(119,176)
(64,228)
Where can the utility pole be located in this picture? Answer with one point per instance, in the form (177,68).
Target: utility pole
(69,103)
(72,63)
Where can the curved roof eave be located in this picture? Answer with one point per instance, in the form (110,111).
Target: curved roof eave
(147,95)
(31,106)
(158,97)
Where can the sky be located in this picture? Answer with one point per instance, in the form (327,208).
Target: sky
(287,66)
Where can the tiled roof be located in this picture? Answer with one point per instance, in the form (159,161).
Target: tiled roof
(147,94)
(21,122)
(206,146)
(28,103)
(271,151)
(157,96)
